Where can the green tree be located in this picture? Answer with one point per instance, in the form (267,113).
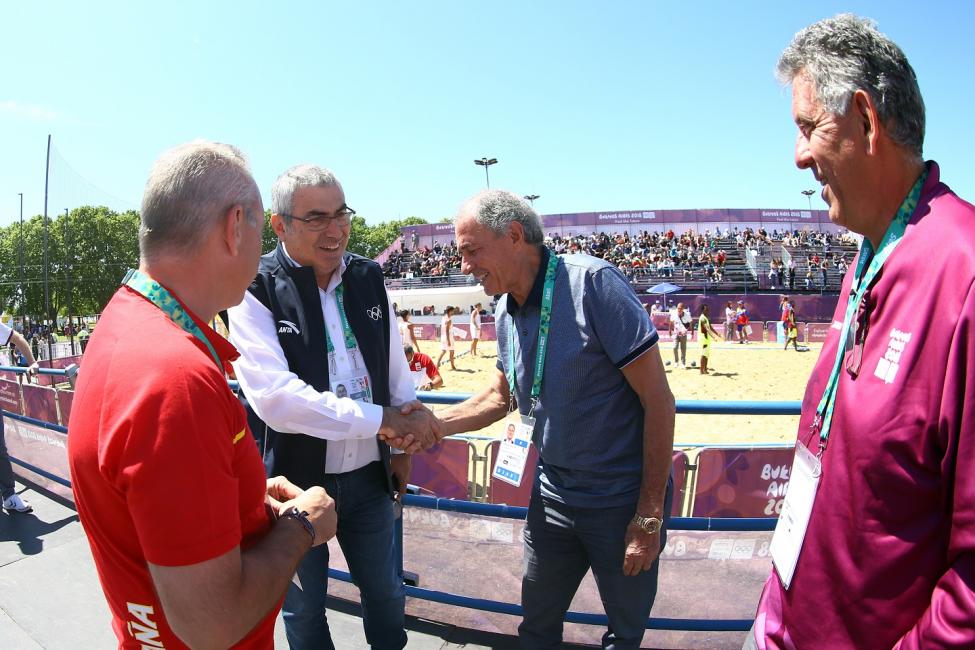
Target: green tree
(370,241)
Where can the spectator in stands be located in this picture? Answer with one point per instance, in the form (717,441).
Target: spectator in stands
(596,503)
(193,545)
(13,502)
(705,332)
(425,373)
(348,337)
(680,325)
(475,328)
(447,337)
(888,420)
(792,274)
(406,332)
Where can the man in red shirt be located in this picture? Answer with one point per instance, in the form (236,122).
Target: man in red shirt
(194,547)
(425,373)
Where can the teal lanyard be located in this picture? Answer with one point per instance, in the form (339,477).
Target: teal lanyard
(350,343)
(160,297)
(544,322)
(868,267)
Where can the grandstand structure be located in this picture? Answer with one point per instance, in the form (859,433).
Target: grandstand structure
(712,255)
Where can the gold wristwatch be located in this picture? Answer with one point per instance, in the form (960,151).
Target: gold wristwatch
(649,525)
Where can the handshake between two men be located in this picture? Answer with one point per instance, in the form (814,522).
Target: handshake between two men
(411,427)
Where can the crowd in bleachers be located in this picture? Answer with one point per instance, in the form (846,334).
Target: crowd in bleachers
(435,262)
(665,255)
(685,257)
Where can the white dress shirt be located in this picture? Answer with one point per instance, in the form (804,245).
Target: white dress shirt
(288,404)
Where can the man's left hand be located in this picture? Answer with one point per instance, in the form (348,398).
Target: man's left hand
(401,464)
(641,550)
(280,490)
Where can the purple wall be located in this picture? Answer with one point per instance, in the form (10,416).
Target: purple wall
(761,307)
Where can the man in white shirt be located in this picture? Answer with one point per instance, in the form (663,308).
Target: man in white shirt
(12,501)
(317,317)
(680,323)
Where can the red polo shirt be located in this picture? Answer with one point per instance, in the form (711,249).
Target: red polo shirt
(164,468)
(423,362)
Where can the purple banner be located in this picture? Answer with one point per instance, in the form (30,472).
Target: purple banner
(680,482)
(39,403)
(816,332)
(63,362)
(699,220)
(10,397)
(742,482)
(761,307)
(442,471)
(501,492)
(41,448)
(65,398)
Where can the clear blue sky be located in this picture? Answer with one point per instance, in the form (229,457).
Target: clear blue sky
(592,105)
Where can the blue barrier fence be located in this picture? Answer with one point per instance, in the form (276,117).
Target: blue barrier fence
(513,512)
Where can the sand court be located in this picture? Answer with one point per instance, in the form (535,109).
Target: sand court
(757,371)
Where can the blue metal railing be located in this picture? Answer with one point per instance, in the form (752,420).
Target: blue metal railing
(516,512)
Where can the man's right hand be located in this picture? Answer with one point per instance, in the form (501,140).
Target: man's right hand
(321,512)
(411,427)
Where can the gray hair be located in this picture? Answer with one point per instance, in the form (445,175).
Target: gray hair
(846,53)
(292,180)
(497,209)
(189,188)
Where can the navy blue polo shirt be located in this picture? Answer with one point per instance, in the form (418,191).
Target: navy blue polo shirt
(589,421)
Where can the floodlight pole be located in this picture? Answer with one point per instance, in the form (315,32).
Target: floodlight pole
(485,163)
(67,268)
(47,292)
(23,316)
(809,194)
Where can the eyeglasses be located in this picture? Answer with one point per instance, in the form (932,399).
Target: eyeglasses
(322,221)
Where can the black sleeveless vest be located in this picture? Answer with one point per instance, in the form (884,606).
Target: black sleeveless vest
(291,295)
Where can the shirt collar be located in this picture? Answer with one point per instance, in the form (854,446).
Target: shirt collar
(333,282)
(535,295)
(224,348)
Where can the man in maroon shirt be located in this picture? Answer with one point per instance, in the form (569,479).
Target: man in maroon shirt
(887,556)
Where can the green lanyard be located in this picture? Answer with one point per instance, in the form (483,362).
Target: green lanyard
(160,297)
(544,321)
(868,267)
(350,343)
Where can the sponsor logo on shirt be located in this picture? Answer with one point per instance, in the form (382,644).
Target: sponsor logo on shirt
(375,313)
(889,364)
(287,327)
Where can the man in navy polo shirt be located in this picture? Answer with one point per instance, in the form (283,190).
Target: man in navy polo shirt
(603,418)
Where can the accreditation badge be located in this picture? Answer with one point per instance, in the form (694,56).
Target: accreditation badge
(513,451)
(355,387)
(796,510)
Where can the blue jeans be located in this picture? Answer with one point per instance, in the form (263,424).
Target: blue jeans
(7,487)
(365,533)
(561,544)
